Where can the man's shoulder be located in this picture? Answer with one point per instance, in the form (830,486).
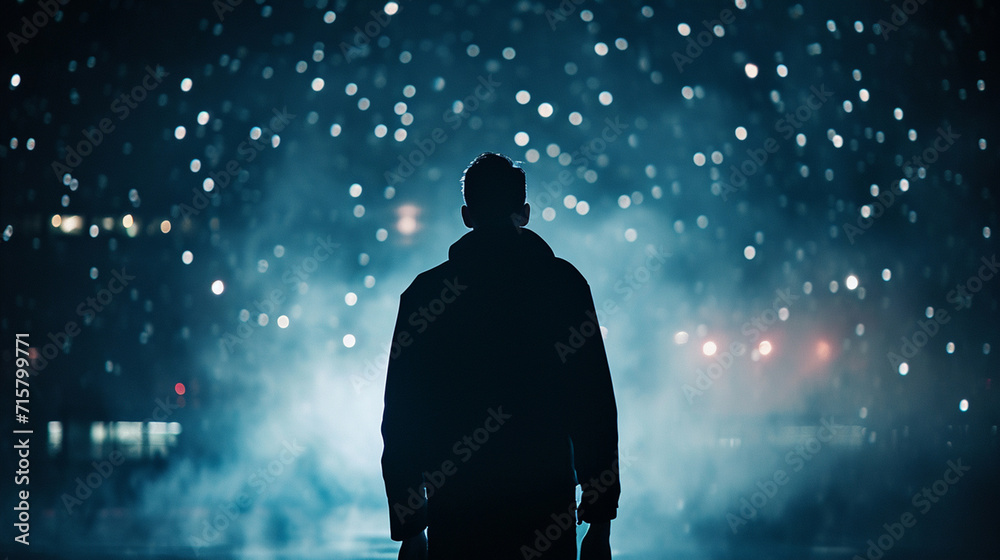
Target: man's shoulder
(569,281)
(565,267)
(432,277)
(540,266)
(554,268)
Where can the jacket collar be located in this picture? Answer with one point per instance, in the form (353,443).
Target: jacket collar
(479,245)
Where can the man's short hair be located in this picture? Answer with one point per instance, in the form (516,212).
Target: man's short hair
(494,187)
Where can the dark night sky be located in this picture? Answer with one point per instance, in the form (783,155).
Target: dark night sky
(629,136)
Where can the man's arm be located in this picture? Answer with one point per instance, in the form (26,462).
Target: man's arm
(401,437)
(413,548)
(594,419)
(596,543)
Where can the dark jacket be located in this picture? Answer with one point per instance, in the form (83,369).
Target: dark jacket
(498,398)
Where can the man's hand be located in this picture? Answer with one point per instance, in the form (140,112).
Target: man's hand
(415,548)
(597,542)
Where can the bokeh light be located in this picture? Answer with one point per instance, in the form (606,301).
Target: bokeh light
(784,215)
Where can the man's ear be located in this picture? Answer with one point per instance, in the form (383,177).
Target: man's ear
(520,218)
(467,218)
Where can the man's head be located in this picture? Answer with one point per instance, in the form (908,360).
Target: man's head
(494,190)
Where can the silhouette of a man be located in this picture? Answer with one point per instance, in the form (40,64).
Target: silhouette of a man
(498,400)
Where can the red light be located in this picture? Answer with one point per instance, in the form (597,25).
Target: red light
(179,388)
(823,350)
